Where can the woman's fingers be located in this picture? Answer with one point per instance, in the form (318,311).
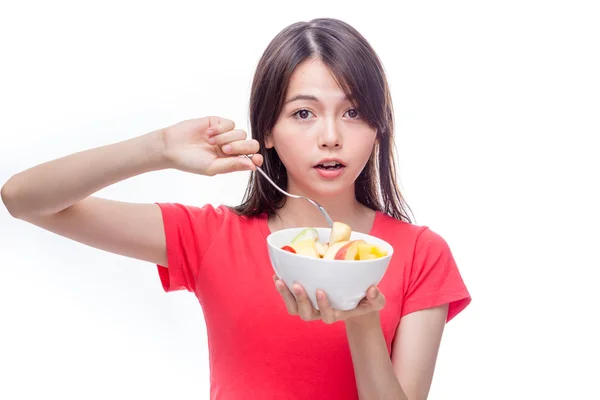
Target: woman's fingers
(225,137)
(288,298)
(217,125)
(376,298)
(305,308)
(234,142)
(229,164)
(257,159)
(328,314)
(240,147)
(298,303)
(373,301)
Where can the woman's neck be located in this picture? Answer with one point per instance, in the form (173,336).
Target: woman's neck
(343,207)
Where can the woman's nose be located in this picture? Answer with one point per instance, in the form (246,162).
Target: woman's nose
(330,136)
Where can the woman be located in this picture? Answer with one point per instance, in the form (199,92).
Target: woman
(322,126)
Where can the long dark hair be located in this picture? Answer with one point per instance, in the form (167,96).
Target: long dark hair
(359,72)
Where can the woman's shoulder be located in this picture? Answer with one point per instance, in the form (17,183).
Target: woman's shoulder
(386,224)
(213,214)
(199,227)
(406,234)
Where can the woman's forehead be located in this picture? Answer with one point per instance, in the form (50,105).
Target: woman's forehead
(312,80)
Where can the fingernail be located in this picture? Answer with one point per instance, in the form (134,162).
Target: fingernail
(226,148)
(320,296)
(373,293)
(209,132)
(297,290)
(211,140)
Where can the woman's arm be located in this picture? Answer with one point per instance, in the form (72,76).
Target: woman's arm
(409,372)
(373,369)
(53,186)
(56,195)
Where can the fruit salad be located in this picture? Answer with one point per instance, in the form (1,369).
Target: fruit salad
(339,247)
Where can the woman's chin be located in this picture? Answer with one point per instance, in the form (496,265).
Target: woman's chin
(327,190)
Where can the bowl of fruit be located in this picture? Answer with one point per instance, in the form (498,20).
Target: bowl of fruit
(337,260)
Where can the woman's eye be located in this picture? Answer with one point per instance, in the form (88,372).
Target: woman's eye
(352,113)
(302,114)
(305,114)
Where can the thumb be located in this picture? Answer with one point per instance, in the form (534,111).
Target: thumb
(230,164)
(376,298)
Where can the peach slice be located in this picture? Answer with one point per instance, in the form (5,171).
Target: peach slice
(368,251)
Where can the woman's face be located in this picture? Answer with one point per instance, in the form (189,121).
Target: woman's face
(319,136)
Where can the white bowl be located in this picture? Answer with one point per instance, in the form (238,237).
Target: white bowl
(344,282)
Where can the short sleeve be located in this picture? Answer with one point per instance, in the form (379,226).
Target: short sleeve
(434,278)
(189,232)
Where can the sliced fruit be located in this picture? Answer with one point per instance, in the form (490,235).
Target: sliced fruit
(306,234)
(340,232)
(306,248)
(288,248)
(349,251)
(379,252)
(321,248)
(333,249)
(368,251)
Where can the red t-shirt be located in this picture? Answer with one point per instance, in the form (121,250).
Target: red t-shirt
(257,350)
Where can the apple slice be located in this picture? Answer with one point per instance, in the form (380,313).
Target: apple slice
(340,232)
(288,248)
(368,251)
(333,249)
(306,248)
(321,249)
(349,251)
(306,234)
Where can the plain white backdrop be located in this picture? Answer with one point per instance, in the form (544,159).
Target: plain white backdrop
(497,108)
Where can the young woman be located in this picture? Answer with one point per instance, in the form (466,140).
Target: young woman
(322,126)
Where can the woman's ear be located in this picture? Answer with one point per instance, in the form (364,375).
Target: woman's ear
(269,140)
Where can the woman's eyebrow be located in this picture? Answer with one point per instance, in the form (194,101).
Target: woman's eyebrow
(306,97)
(302,97)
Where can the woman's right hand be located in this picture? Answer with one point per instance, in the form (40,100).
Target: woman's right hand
(209,146)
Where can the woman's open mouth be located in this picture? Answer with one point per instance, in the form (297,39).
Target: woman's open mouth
(330,165)
(330,169)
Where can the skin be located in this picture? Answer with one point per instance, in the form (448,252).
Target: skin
(59,196)
(331,127)
(306,132)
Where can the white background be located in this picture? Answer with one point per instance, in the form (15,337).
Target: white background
(497,107)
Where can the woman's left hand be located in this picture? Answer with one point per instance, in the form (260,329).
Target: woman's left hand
(373,301)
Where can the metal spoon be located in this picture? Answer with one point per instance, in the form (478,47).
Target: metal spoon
(314,203)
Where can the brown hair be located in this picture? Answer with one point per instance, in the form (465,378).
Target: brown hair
(359,72)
